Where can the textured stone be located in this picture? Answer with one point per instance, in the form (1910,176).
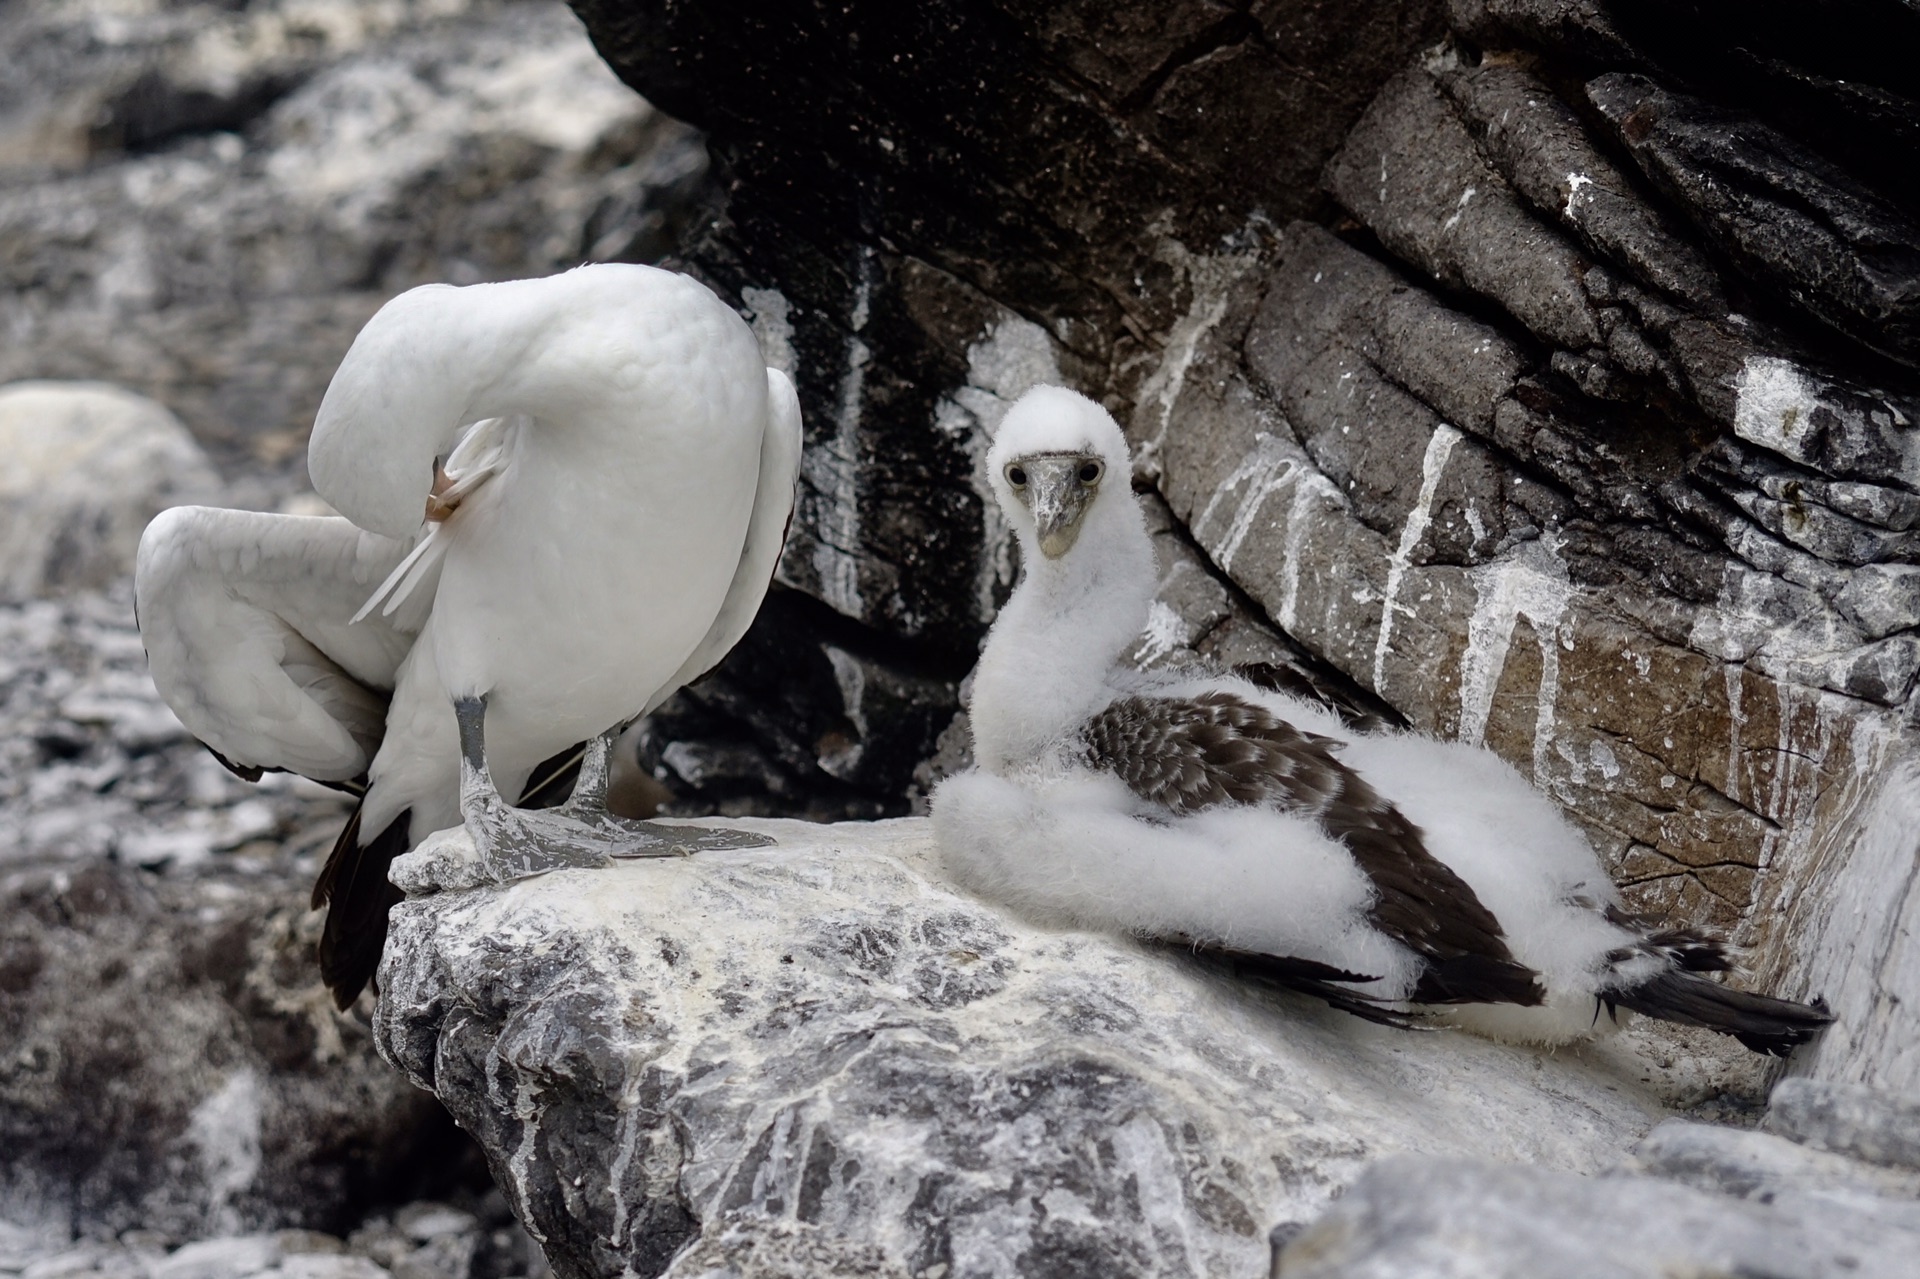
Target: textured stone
(819,1058)
(1763,1167)
(87,466)
(1791,218)
(1412,172)
(205,205)
(484,1244)
(219,1089)
(1539,145)
(1850,1120)
(1409,1217)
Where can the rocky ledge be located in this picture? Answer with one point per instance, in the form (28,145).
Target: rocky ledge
(1543,370)
(819,1058)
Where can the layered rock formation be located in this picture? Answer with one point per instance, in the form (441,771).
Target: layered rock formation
(1545,370)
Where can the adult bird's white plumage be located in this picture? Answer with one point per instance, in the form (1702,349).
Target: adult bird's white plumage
(606,468)
(1396,876)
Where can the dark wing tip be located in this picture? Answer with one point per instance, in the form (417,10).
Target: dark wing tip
(355,889)
(1478,979)
(1762,1023)
(1303,976)
(245,772)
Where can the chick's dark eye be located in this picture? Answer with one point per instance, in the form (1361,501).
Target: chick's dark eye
(1090,473)
(1016,476)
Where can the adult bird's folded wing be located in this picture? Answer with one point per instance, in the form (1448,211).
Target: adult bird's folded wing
(766,536)
(245,618)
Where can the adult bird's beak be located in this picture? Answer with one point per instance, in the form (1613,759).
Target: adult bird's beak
(1058,499)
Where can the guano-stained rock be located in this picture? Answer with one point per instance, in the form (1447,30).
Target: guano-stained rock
(819,1058)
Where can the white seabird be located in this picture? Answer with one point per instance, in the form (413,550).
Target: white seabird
(606,466)
(1395,876)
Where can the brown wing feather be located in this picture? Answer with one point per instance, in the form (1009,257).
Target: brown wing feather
(1190,754)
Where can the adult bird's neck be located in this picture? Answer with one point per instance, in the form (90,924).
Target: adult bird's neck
(1049,661)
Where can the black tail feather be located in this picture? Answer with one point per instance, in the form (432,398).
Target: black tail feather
(353,885)
(1305,976)
(354,888)
(1761,1022)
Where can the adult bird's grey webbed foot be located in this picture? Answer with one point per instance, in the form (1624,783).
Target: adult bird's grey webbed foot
(626,837)
(515,843)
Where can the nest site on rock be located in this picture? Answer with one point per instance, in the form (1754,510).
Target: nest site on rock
(1392,875)
(1477,411)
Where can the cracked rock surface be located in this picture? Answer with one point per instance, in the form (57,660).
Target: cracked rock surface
(821,1059)
(1829,1186)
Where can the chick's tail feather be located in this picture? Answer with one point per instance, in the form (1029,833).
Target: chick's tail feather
(1761,1022)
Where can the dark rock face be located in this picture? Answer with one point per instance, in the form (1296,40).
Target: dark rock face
(1542,368)
(935,207)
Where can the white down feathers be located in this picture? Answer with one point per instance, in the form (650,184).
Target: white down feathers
(1032,825)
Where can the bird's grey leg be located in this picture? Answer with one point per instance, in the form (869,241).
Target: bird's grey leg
(517,842)
(625,838)
(513,843)
(589,798)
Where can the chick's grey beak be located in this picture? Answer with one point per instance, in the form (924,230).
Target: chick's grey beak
(1058,499)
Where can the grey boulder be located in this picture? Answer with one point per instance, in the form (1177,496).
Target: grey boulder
(87,466)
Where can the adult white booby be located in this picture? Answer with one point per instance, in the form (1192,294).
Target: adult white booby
(606,467)
(1395,876)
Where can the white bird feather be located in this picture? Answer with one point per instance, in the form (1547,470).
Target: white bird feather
(619,470)
(1395,875)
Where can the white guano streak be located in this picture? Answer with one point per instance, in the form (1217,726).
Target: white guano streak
(1736,720)
(773,326)
(1432,466)
(1272,468)
(1529,582)
(1262,472)
(1574,182)
(1210,279)
(1165,631)
(835,473)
